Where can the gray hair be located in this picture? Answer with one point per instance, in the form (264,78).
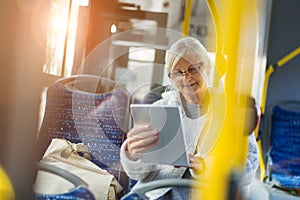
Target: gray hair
(188,46)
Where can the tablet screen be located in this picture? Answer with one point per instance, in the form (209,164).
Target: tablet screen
(171,147)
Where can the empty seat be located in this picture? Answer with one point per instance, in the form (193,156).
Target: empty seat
(283,158)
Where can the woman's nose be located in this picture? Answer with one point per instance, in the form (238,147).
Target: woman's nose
(186,75)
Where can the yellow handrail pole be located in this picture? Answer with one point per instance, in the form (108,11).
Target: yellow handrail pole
(270,71)
(261,161)
(288,57)
(219,62)
(187,17)
(268,74)
(229,153)
(6,188)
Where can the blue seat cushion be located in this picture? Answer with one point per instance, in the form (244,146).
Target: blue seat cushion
(285,147)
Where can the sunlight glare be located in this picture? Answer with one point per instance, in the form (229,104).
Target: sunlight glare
(58,24)
(83,2)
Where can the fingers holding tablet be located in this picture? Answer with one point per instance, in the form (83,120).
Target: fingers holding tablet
(141,138)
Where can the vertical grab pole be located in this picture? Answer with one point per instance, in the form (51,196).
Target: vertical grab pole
(220,62)
(239,46)
(6,188)
(187,17)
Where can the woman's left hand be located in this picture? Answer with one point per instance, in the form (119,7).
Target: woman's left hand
(196,162)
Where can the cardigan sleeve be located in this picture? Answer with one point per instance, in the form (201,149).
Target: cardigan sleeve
(252,161)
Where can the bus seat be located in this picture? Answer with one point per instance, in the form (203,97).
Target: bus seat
(283,158)
(154,94)
(88,109)
(79,191)
(148,93)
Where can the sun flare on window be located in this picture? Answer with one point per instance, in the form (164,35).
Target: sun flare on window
(61,36)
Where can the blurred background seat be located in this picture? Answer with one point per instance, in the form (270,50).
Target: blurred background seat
(88,109)
(283,162)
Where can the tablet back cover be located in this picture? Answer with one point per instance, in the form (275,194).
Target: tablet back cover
(171,147)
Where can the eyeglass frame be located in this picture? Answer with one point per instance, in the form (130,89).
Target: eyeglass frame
(186,72)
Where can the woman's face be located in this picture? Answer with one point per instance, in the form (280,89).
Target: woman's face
(187,77)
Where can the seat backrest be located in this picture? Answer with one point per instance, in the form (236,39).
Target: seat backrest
(154,94)
(88,109)
(285,141)
(148,93)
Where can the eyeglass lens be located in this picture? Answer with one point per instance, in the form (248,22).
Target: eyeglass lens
(192,70)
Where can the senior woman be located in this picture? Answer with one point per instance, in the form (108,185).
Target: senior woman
(189,69)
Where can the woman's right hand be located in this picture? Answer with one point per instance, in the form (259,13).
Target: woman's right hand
(140,139)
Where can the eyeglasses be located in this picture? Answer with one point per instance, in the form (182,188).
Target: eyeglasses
(192,70)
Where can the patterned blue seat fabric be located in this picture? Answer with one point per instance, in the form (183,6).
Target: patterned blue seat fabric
(77,193)
(285,148)
(98,119)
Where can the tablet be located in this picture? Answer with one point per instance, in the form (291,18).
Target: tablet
(171,147)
